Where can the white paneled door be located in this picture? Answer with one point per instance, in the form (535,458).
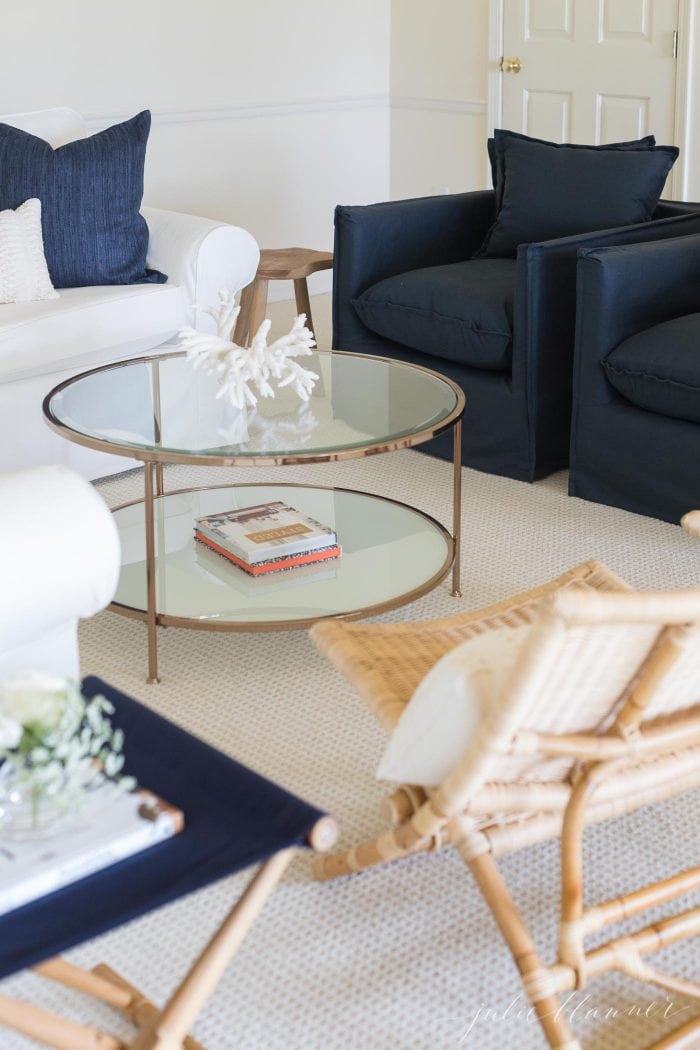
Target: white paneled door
(589,70)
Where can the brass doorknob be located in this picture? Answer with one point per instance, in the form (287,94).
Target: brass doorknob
(511,65)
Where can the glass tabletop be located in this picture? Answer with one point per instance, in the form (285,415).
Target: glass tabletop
(163,408)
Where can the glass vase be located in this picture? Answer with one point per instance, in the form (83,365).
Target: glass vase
(27,810)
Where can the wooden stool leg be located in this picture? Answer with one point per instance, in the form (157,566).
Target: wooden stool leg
(301,294)
(141,1011)
(242,330)
(258,307)
(168,1032)
(90,982)
(50,1030)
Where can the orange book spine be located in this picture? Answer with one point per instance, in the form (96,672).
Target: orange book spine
(327,554)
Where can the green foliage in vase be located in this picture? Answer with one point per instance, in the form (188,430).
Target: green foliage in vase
(55,743)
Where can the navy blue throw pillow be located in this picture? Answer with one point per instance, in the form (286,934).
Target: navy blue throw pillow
(494,148)
(90,192)
(552,191)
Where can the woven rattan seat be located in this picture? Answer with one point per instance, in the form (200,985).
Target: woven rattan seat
(601,715)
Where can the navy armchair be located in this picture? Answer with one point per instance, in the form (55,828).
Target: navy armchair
(501,328)
(635,439)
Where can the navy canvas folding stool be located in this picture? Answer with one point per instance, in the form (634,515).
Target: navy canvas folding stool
(233,819)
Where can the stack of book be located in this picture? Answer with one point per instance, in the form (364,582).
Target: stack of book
(270,537)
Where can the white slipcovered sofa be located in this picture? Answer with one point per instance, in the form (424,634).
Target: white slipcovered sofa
(59,562)
(43,343)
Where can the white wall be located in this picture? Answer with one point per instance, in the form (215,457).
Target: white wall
(265,114)
(438,96)
(439,84)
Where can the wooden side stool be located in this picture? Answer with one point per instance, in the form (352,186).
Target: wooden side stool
(278,264)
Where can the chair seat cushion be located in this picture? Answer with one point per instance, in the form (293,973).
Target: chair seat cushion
(659,369)
(462,312)
(441,718)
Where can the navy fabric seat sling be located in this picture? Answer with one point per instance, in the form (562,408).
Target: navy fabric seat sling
(233,818)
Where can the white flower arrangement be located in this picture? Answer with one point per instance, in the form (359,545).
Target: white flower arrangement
(242,370)
(55,744)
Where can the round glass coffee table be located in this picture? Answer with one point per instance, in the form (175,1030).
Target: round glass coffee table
(161,410)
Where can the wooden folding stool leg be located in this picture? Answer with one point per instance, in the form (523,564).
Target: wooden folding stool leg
(101,983)
(141,1011)
(91,982)
(50,1030)
(171,1026)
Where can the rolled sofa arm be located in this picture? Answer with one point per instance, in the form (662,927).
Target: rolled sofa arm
(201,256)
(59,559)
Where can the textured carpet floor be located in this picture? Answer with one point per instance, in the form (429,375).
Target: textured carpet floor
(404,957)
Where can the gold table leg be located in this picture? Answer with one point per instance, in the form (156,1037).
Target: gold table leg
(457,510)
(157,433)
(151,611)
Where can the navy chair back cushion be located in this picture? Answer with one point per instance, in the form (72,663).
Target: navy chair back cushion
(90,192)
(550,191)
(495,150)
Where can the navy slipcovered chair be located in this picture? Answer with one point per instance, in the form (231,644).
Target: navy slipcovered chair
(501,328)
(635,439)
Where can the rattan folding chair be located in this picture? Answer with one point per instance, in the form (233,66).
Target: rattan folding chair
(600,716)
(234,819)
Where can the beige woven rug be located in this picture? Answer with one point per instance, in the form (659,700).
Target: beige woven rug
(405,957)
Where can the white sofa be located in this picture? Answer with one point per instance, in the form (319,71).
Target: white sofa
(45,342)
(59,561)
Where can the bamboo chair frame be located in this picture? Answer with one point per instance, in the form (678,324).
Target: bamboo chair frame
(629,762)
(156,1029)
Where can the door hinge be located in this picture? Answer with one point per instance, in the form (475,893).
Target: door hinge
(674,49)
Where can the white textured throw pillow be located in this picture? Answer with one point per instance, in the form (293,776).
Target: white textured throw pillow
(24,275)
(441,717)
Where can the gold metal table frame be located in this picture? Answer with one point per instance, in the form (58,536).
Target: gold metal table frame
(154,458)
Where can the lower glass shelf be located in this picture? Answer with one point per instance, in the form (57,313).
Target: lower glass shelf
(392,554)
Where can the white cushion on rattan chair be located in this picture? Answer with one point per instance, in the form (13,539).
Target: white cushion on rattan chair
(439,721)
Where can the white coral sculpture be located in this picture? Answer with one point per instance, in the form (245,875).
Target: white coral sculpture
(243,369)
